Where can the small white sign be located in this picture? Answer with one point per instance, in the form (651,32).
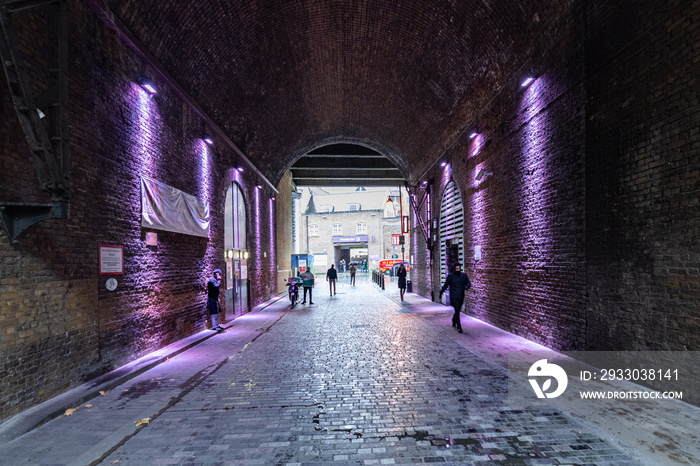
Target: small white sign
(229,275)
(111,260)
(111,284)
(477,253)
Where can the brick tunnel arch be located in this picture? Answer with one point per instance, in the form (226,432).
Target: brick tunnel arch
(282,78)
(412,80)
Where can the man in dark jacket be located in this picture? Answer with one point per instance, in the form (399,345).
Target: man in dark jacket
(331,278)
(352,274)
(458,283)
(213,299)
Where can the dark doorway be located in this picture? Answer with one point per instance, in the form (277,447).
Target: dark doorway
(451,255)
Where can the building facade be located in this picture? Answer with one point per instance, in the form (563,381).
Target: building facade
(351,224)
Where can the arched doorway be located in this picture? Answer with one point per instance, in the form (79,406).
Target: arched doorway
(236,245)
(451,229)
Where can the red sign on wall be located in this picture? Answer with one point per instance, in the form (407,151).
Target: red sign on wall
(395,240)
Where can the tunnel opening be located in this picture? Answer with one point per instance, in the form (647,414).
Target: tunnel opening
(349,165)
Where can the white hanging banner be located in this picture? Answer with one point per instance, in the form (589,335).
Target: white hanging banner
(166,208)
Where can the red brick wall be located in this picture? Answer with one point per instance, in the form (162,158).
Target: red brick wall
(60,326)
(528,216)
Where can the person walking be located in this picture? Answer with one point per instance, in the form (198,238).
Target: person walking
(353,269)
(331,278)
(213,286)
(458,282)
(307,281)
(401,273)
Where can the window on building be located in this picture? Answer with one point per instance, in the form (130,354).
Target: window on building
(326,208)
(389,210)
(313,230)
(337,228)
(354,207)
(361,228)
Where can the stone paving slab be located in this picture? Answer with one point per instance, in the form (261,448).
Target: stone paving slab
(358,378)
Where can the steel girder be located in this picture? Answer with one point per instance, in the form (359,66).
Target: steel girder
(43,118)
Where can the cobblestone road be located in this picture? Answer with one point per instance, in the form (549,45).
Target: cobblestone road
(354,379)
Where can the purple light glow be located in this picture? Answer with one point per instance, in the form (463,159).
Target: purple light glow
(527,81)
(257,254)
(443,164)
(144,133)
(149,88)
(537,237)
(473,135)
(208,141)
(240,169)
(235,175)
(477,144)
(476,229)
(204,171)
(532,102)
(446,174)
(273,255)
(538,240)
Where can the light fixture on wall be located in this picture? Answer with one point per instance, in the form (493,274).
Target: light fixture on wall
(443,164)
(240,169)
(473,135)
(258,187)
(482,174)
(208,140)
(527,81)
(148,87)
(245,255)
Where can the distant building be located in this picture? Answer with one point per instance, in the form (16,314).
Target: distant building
(354,224)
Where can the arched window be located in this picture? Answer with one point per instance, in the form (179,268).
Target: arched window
(235,229)
(451,229)
(236,245)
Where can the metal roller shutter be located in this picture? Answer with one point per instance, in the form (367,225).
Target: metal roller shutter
(451,225)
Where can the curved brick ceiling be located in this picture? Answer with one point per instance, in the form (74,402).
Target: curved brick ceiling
(285,77)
